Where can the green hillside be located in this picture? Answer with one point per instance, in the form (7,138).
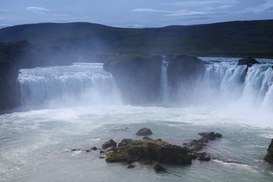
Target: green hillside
(241,38)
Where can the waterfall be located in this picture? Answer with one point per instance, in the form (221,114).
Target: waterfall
(164,81)
(228,83)
(59,86)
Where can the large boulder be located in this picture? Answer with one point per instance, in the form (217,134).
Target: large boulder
(269,156)
(157,150)
(109,144)
(144,132)
(210,135)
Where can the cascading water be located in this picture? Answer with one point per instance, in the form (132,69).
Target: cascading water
(164,81)
(228,83)
(58,86)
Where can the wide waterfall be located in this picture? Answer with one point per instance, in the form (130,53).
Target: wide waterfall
(164,81)
(58,86)
(226,83)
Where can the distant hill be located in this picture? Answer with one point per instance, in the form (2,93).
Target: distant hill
(239,38)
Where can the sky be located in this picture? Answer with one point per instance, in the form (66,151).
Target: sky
(133,13)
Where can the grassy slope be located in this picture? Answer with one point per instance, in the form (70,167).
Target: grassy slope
(245,38)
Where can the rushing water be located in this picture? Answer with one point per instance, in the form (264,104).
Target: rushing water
(35,145)
(164,81)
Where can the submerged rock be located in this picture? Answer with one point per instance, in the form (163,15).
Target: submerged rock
(109,144)
(269,155)
(130,166)
(144,132)
(159,168)
(210,135)
(142,150)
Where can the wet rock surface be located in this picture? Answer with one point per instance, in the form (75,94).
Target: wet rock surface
(269,156)
(109,144)
(156,152)
(144,132)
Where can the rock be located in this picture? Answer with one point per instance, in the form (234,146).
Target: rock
(184,72)
(142,150)
(130,166)
(74,150)
(210,135)
(109,144)
(137,77)
(203,156)
(248,61)
(144,132)
(159,168)
(87,150)
(147,138)
(124,142)
(269,156)
(94,148)
(148,162)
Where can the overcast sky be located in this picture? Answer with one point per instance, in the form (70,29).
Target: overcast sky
(133,13)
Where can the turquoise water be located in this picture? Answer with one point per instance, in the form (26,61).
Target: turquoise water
(35,145)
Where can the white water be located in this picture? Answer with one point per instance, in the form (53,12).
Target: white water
(79,84)
(164,81)
(35,145)
(226,84)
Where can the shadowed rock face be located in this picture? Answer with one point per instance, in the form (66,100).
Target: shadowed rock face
(183,73)
(138,78)
(269,155)
(248,61)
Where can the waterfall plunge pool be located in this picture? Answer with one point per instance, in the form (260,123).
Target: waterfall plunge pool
(35,145)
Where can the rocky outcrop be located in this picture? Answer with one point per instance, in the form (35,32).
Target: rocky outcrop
(10,54)
(269,155)
(248,61)
(23,54)
(138,78)
(140,150)
(210,135)
(144,132)
(183,73)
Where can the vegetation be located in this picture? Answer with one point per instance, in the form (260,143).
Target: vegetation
(241,38)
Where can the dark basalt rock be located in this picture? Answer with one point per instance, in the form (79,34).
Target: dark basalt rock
(269,156)
(142,150)
(130,166)
(109,144)
(210,135)
(159,168)
(147,138)
(94,148)
(248,61)
(144,132)
(124,142)
(203,156)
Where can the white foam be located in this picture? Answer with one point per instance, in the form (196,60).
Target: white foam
(238,166)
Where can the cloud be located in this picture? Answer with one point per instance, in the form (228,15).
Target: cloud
(170,13)
(148,10)
(265,7)
(38,10)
